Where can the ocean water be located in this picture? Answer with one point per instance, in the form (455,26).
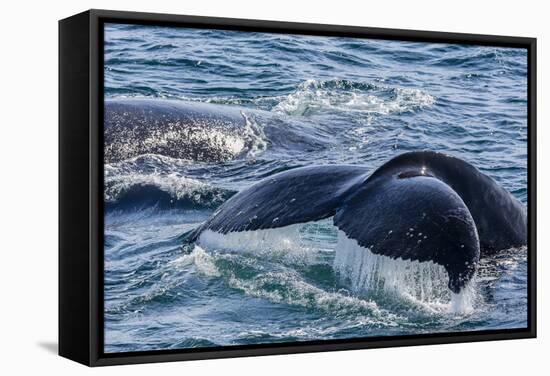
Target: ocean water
(305,100)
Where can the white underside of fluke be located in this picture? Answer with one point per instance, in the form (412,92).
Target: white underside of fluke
(280,239)
(284,243)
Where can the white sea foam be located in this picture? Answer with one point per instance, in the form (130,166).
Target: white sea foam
(284,286)
(203,261)
(314,96)
(422,283)
(179,186)
(291,289)
(121,177)
(253,135)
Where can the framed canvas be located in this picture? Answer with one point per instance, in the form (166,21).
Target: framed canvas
(239,187)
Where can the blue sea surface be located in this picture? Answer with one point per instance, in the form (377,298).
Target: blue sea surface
(326,100)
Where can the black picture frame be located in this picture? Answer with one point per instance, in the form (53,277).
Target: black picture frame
(81,182)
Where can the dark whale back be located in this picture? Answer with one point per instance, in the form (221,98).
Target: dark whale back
(184,130)
(197,131)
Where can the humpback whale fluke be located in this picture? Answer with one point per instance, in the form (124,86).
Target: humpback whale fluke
(419,206)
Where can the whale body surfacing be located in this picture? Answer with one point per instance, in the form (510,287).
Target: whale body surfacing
(426,208)
(195,131)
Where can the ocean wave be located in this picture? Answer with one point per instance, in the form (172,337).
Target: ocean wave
(161,282)
(283,286)
(290,289)
(250,277)
(423,285)
(126,186)
(505,261)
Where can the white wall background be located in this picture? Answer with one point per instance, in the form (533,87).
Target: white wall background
(28,186)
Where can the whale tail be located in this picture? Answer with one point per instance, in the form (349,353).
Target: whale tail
(416,218)
(419,206)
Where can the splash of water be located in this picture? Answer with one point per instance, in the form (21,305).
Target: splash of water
(423,283)
(314,96)
(179,186)
(203,261)
(285,243)
(254,137)
(167,175)
(317,96)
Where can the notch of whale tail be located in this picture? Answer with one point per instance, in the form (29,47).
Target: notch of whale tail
(421,283)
